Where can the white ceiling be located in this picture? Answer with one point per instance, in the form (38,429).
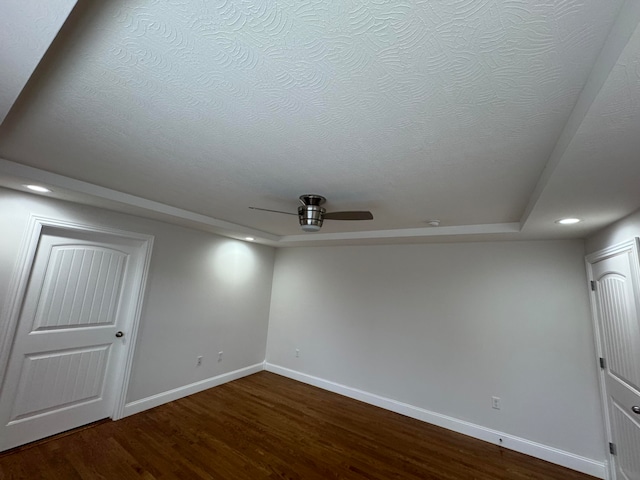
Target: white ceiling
(495,117)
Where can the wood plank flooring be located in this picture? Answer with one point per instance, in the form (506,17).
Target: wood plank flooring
(269,427)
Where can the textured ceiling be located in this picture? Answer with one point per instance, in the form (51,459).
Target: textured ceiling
(412,109)
(608,137)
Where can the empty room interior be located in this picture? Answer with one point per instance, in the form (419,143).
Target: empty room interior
(411,221)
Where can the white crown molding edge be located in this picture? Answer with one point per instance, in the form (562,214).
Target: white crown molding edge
(60,181)
(233,230)
(512,442)
(152,401)
(486,228)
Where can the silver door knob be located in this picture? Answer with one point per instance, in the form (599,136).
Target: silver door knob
(119,334)
(635,409)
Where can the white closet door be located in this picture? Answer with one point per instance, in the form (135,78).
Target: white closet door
(69,338)
(617,293)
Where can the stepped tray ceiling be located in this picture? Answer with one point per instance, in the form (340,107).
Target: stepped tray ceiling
(478,113)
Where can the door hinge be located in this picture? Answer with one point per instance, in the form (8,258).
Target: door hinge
(593,286)
(603,363)
(612,448)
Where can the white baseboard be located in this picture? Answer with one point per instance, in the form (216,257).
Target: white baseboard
(138,406)
(538,450)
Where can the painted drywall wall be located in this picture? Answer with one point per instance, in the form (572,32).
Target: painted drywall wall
(618,232)
(445,328)
(205,293)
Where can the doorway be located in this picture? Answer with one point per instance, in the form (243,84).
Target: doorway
(614,274)
(73,325)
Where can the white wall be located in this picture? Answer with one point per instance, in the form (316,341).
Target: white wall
(618,232)
(205,293)
(445,327)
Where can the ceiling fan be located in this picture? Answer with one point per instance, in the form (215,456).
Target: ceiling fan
(311,214)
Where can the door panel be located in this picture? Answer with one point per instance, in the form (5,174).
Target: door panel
(616,298)
(619,328)
(81,287)
(627,433)
(65,352)
(60,379)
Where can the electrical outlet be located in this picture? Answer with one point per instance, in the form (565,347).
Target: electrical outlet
(220,356)
(199,361)
(297,353)
(495,403)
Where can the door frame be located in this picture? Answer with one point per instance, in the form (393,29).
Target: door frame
(20,280)
(632,247)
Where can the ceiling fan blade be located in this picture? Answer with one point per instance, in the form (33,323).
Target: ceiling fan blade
(355,215)
(274,211)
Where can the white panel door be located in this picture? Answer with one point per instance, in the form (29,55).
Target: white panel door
(68,341)
(617,293)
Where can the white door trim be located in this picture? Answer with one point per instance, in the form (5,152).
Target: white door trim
(633,248)
(20,280)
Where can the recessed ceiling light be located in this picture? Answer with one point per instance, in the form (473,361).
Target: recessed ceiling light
(249,239)
(568,221)
(38,188)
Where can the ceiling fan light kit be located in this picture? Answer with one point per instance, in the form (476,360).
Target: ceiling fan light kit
(311,218)
(310,213)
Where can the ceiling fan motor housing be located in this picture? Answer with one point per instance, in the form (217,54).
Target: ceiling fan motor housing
(310,217)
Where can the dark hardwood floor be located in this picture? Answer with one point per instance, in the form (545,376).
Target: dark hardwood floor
(269,427)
